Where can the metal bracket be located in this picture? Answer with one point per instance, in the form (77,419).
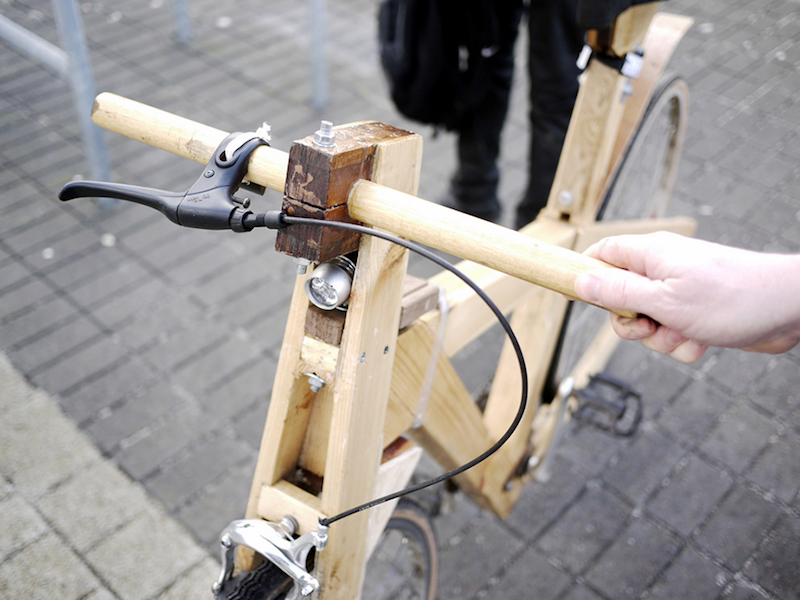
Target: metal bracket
(275,542)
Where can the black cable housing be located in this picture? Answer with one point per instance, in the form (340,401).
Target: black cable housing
(286,220)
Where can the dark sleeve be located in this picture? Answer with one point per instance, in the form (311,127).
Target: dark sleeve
(598,14)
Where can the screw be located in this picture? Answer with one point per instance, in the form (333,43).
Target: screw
(226,541)
(565,198)
(324,135)
(208,173)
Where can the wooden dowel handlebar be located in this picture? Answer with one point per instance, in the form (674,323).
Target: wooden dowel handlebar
(183,137)
(462,235)
(465,236)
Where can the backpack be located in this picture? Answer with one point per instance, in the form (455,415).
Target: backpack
(435,56)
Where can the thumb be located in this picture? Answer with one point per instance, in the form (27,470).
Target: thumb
(616,289)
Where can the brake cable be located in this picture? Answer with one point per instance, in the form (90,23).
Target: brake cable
(281,219)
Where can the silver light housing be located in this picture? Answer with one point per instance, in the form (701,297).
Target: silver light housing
(328,287)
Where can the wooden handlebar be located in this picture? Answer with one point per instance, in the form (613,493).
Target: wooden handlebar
(462,235)
(183,137)
(494,246)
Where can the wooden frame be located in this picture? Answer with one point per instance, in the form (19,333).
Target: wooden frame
(374,371)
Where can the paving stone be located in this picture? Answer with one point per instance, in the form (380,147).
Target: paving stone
(80,365)
(20,523)
(247,386)
(530,576)
(589,449)
(177,348)
(474,556)
(195,583)
(691,576)
(209,511)
(740,436)
(695,413)
(542,502)
(208,462)
(119,279)
(737,371)
(93,504)
(737,526)
(776,392)
(138,411)
(580,592)
(156,552)
(37,448)
(585,529)
(216,365)
(775,566)
(689,495)
(29,295)
(635,559)
(48,568)
(640,469)
(153,446)
(777,469)
(33,323)
(249,424)
(67,338)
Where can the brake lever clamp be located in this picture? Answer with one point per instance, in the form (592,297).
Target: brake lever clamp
(208,204)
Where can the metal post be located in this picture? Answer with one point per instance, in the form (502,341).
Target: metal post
(182,25)
(70,29)
(319,67)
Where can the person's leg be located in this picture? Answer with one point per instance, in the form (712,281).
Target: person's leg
(555,42)
(473,186)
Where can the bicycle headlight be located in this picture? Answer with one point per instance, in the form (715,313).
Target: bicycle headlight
(328,287)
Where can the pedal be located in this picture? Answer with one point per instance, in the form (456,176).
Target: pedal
(609,404)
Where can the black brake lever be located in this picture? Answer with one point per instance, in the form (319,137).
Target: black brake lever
(208,204)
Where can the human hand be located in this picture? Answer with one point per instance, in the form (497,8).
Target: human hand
(696,294)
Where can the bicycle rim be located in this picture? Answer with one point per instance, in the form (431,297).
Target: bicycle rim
(405,563)
(640,188)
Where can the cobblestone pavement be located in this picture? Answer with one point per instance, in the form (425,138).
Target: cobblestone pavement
(160,344)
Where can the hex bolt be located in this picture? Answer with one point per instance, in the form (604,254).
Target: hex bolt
(315,381)
(302,265)
(324,135)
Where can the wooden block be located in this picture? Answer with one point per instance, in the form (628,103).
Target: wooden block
(325,325)
(419,297)
(318,181)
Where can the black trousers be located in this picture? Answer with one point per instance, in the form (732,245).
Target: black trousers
(555,40)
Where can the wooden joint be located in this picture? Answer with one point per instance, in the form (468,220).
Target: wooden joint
(318,183)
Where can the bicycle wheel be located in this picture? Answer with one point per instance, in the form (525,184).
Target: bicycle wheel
(640,188)
(404,565)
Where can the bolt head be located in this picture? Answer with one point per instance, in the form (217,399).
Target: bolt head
(565,198)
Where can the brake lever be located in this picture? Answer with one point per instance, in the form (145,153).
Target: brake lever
(208,204)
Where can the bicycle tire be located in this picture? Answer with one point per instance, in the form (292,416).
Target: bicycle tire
(639,188)
(404,565)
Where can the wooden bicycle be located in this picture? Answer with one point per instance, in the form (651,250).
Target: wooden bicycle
(359,393)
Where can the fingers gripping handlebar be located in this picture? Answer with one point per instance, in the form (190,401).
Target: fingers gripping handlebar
(208,204)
